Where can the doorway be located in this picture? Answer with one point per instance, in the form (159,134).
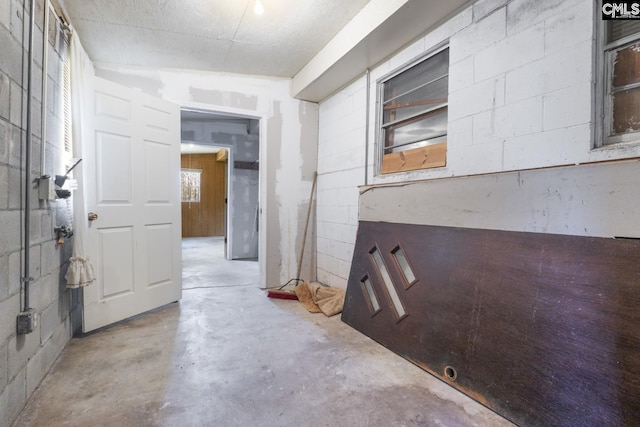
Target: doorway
(221,157)
(203,179)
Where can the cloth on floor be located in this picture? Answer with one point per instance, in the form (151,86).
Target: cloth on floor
(318,298)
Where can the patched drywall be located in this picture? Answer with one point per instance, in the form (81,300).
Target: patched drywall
(148,86)
(244,184)
(288,142)
(229,99)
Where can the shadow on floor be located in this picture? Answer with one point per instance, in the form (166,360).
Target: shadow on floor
(226,355)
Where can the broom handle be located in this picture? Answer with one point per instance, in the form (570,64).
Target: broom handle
(306,225)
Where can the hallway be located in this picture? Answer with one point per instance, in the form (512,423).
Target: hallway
(226,355)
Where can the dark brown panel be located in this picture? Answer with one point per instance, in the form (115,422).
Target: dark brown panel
(205,218)
(544,329)
(246,165)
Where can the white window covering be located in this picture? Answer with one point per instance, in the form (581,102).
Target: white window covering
(190,185)
(80,272)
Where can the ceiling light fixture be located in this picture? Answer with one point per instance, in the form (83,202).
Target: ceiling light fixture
(258,8)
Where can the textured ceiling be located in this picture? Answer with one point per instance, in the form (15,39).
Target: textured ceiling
(214,35)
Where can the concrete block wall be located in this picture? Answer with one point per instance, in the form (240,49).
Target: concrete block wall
(521,97)
(341,158)
(25,359)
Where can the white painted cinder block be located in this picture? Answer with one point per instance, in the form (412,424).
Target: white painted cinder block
(484,128)
(41,363)
(568,107)
(558,70)
(347,233)
(461,75)
(565,30)
(510,53)
(344,268)
(483,96)
(13,397)
(331,279)
(444,32)
(477,158)
(520,97)
(8,311)
(330,230)
(323,245)
(558,147)
(461,132)
(482,8)
(4,369)
(407,54)
(342,179)
(479,36)
(519,118)
(522,14)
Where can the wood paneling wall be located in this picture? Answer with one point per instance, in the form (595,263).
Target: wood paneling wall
(207,217)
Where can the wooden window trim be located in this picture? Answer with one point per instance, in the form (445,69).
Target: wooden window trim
(431,156)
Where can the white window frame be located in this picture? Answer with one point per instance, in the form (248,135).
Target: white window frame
(604,74)
(380,133)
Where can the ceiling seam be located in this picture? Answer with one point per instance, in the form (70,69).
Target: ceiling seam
(226,58)
(161,30)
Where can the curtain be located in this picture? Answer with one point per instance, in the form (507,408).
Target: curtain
(80,272)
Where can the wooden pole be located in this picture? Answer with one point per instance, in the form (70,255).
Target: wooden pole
(306,225)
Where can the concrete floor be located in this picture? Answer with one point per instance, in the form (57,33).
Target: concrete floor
(226,355)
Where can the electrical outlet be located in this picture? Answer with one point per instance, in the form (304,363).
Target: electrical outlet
(27,322)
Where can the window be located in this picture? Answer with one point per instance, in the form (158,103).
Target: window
(622,81)
(412,115)
(66,92)
(190,185)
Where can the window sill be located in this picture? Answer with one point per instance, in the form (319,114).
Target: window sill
(619,145)
(431,156)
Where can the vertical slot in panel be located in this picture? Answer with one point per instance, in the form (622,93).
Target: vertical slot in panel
(370,295)
(405,268)
(388,283)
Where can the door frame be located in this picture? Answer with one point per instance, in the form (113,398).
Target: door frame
(262,172)
(227,177)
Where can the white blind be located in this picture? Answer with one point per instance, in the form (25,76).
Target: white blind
(618,29)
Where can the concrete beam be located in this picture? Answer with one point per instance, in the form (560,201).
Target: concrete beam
(381,28)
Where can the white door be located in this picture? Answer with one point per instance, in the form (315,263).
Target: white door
(132,179)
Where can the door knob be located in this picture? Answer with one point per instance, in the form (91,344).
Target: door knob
(93,216)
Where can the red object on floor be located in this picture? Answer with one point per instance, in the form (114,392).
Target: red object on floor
(276,293)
